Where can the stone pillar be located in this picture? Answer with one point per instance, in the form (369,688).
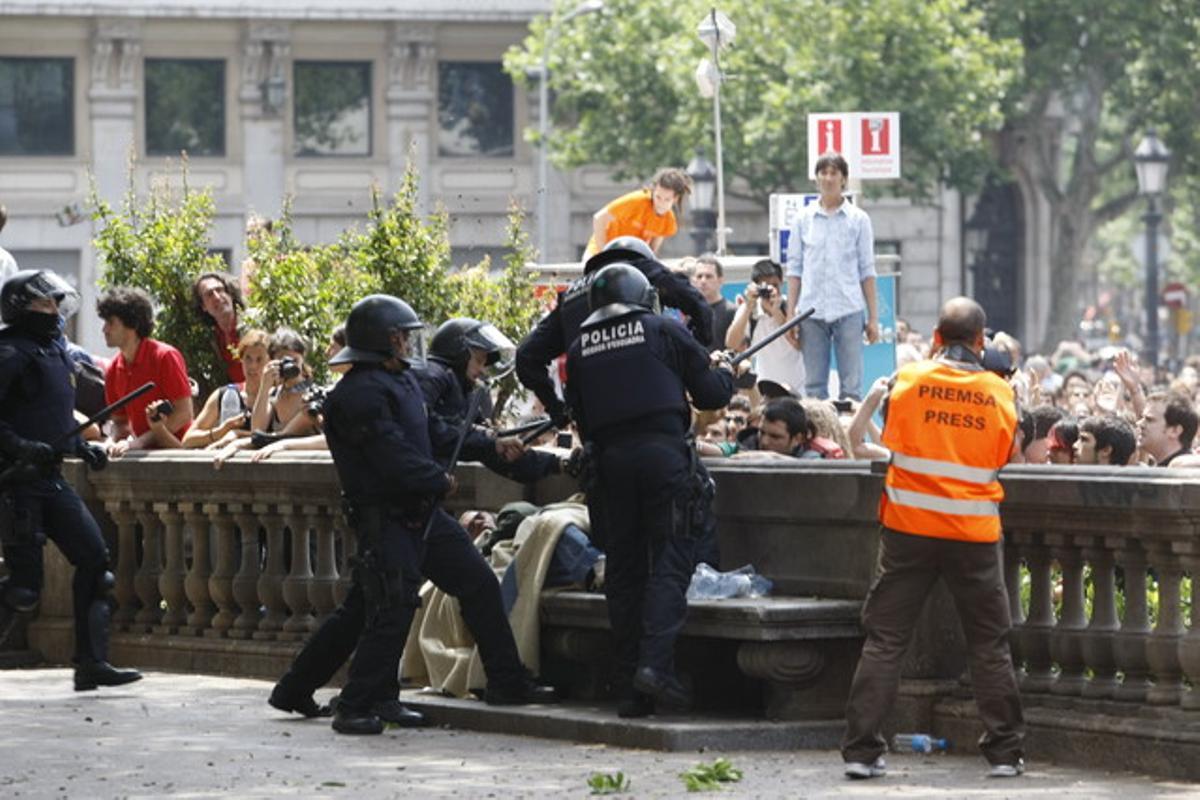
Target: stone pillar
(113,97)
(295,585)
(412,59)
(220,582)
(126,569)
(245,582)
(170,581)
(145,582)
(1038,629)
(324,582)
(196,583)
(1098,638)
(270,582)
(1162,649)
(1189,643)
(1131,641)
(266,51)
(1066,646)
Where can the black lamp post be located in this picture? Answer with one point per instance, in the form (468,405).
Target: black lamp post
(1151,161)
(700,203)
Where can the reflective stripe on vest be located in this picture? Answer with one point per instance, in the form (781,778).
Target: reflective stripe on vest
(944,469)
(944,505)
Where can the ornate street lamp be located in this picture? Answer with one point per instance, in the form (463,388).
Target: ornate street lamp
(586,7)
(700,203)
(1151,159)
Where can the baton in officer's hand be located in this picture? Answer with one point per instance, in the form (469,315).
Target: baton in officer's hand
(782,331)
(473,404)
(517,430)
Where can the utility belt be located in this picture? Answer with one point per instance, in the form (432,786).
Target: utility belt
(382,585)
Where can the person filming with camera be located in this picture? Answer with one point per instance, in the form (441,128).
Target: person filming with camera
(279,406)
(760,313)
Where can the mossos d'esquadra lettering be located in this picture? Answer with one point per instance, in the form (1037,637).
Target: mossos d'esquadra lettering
(613,337)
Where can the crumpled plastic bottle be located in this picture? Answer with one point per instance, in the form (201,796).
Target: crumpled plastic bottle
(709,584)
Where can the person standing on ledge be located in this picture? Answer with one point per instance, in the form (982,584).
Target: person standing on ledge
(950,425)
(648,214)
(831,268)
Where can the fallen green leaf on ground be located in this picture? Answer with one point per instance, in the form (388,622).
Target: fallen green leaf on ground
(709,777)
(608,783)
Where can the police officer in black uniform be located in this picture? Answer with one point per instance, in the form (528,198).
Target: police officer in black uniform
(631,372)
(37,398)
(461,352)
(383,444)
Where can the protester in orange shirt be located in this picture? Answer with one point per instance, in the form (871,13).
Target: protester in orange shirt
(645,213)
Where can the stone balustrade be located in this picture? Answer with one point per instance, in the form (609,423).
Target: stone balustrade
(227,571)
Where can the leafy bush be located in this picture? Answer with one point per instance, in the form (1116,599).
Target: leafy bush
(160,245)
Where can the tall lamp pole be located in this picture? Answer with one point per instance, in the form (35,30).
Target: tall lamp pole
(717,31)
(1151,159)
(586,7)
(704,176)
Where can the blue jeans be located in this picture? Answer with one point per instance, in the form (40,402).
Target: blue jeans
(846,334)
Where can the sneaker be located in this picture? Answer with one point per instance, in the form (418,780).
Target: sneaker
(860,770)
(1007,770)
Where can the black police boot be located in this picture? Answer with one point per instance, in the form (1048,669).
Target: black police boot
(396,713)
(663,687)
(527,692)
(635,705)
(92,674)
(362,723)
(305,706)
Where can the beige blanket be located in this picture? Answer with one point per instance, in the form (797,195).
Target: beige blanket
(441,652)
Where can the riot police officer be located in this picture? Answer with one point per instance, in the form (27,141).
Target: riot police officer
(383,444)
(461,353)
(37,398)
(647,477)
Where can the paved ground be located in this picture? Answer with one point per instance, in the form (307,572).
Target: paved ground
(200,736)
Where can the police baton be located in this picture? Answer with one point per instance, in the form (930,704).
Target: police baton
(787,326)
(517,430)
(472,410)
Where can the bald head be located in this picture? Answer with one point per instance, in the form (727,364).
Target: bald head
(961,321)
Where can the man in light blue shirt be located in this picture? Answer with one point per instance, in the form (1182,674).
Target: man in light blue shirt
(831,267)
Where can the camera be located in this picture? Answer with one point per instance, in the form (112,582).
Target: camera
(314,401)
(163,409)
(843,406)
(288,368)
(765,291)
(564,440)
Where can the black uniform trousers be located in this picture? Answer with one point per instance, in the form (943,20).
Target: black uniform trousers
(644,496)
(974,573)
(452,562)
(52,507)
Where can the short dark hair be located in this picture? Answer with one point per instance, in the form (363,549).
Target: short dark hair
(231,286)
(739,402)
(1026,427)
(286,339)
(832,159)
(1044,418)
(131,306)
(1112,432)
(712,261)
(1178,410)
(1064,433)
(765,268)
(789,411)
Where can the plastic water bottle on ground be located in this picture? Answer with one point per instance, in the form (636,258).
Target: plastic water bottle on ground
(918,743)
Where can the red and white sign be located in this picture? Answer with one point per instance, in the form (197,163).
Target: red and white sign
(1175,295)
(869,141)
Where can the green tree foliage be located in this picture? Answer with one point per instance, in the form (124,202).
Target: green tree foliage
(159,244)
(626,97)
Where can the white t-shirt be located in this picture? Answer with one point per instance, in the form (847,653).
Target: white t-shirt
(779,361)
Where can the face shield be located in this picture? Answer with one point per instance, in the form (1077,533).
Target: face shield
(413,353)
(51,285)
(501,352)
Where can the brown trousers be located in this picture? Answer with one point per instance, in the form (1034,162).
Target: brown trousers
(909,566)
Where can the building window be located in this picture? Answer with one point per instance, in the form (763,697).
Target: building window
(37,112)
(185,107)
(475,110)
(333,108)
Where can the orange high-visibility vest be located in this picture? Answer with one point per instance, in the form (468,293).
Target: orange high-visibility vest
(950,430)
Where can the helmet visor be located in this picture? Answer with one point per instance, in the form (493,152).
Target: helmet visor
(415,357)
(51,285)
(501,352)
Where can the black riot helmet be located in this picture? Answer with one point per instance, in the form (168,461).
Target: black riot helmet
(623,286)
(369,331)
(456,338)
(622,248)
(28,285)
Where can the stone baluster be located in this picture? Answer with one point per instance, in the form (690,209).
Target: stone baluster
(1038,629)
(1012,585)
(349,549)
(1098,638)
(270,582)
(245,582)
(126,567)
(321,588)
(1189,643)
(171,580)
(1066,646)
(1162,650)
(145,582)
(295,585)
(220,582)
(1131,641)
(196,583)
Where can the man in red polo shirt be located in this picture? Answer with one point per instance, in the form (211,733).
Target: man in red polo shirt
(146,422)
(218,299)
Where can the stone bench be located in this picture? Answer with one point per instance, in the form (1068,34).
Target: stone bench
(788,658)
